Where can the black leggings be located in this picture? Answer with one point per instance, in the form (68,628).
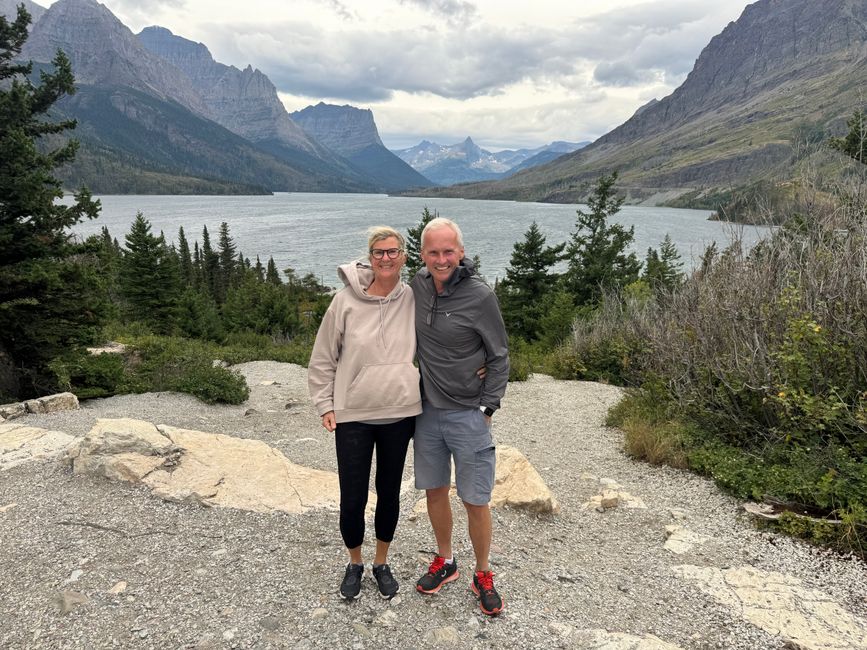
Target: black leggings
(355,442)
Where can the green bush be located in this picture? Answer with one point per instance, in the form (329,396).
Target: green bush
(213,384)
(89,376)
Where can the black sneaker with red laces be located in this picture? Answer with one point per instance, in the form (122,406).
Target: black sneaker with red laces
(438,574)
(489,600)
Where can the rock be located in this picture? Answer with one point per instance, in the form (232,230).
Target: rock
(388,618)
(34,406)
(118,588)
(249,412)
(361,630)
(270,382)
(75,575)
(112,347)
(781,606)
(58,402)
(608,484)
(443,637)
(681,540)
(518,484)
(229,635)
(21,444)
(12,411)
(677,514)
(8,506)
(319,613)
(610,499)
(762,510)
(208,469)
(561,629)
(66,601)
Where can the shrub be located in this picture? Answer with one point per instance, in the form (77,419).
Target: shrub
(89,376)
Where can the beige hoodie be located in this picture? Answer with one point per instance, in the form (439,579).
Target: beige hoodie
(361,365)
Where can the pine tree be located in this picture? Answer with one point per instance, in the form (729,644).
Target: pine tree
(854,144)
(50,295)
(413,244)
(597,251)
(185,260)
(259,269)
(271,274)
(210,261)
(528,281)
(663,269)
(150,277)
(228,265)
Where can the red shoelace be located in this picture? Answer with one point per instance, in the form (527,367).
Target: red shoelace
(485,580)
(436,566)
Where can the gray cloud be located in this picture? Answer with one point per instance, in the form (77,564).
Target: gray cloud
(652,43)
(342,10)
(455,11)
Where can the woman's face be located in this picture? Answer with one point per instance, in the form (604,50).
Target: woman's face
(387,268)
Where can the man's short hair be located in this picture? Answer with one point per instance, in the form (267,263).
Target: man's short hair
(442,222)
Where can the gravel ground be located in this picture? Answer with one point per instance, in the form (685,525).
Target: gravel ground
(219,578)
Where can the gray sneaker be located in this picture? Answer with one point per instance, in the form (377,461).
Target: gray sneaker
(350,588)
(388,586)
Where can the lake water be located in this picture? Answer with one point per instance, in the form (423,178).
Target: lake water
(316,232)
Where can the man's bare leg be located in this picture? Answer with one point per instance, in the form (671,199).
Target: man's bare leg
(439,510)
(479,521)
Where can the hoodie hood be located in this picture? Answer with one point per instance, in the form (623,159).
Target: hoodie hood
(358,275)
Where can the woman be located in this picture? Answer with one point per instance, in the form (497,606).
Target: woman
(364,386)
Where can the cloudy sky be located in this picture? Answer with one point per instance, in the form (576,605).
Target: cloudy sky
(508,73)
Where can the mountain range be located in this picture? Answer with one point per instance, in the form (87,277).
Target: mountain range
(760,98)
(157,114)
(466,161)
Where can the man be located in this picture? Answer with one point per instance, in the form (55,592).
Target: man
(458,329)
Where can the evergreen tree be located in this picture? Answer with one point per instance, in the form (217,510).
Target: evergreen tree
(663,269)
(210,265)
(197,316)
(413,244)
(271,274)
(597,250)
(150,277)
(185,259)
(528,281)
(228,265)
(259,269)
(50,295)
(854,144)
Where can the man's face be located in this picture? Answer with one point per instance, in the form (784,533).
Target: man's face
(441,254)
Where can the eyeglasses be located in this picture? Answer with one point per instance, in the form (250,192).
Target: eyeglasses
(379,253)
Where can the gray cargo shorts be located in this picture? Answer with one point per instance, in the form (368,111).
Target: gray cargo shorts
(464,434)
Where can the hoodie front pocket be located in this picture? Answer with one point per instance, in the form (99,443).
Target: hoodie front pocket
(382,385)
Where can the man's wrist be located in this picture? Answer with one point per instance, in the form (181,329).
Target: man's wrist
(487,410)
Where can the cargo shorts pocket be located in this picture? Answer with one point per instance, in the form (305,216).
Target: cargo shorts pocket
(485,467)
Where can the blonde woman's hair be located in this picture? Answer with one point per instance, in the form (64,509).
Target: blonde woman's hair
(378,233)
(442,222)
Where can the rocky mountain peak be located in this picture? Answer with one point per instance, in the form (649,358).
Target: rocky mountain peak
(9,9)
(104,51)
(243,101)
(344,129)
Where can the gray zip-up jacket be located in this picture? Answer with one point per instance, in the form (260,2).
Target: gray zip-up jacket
(457,332)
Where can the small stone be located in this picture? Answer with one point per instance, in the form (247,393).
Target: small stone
(623,588)
(394,602)
(68,600)
(250,412)
(319,613)
(119,588)
(229,635)
(677,514)
(143,634)
(75,575)
(610,499)
(8,507)
(561,629)
(608,483)
(387,619)
(361,630)
(444,636)
(269,382)
(219,552)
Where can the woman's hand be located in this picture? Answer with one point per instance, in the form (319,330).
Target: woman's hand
(481,372)
(329,422)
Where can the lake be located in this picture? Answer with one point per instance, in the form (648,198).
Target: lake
(316,232)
